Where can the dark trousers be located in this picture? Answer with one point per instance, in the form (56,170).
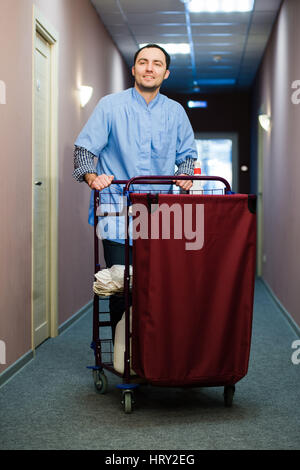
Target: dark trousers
(114,253)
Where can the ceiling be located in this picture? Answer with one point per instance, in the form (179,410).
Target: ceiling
(226,48)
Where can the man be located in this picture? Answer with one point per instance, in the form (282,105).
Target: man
(135,132)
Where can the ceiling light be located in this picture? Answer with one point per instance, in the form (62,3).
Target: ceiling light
(174,48)
(244,168)
(214,34)
(209,6)
(265,121)
(196,87)
(216,81)
(217,58)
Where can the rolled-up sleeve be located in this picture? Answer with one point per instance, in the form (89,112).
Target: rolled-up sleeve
(83,163)
(186,167)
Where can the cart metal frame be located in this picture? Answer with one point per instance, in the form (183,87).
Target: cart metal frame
(100,380)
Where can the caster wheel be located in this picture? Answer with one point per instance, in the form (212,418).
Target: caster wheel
(127,402)
(228,395)
(100,381)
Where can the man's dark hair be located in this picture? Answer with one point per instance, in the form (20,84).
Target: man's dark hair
(148,46)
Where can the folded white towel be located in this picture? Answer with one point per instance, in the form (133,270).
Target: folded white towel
(111,280)
(119,346)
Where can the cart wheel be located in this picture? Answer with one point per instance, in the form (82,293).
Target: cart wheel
(100,381)
(127,401)
(228,395)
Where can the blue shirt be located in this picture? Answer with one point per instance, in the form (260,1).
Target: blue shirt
(133,138)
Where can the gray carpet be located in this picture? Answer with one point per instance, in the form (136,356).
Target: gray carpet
(52,404)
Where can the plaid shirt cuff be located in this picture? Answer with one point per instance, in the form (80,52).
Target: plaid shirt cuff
(186,167)
(83,163)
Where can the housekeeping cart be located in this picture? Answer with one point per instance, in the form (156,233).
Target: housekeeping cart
(192,290)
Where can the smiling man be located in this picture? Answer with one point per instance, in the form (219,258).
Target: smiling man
(134,132)
(151,68)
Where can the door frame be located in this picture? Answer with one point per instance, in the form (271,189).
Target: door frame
(46,30)
(260,212)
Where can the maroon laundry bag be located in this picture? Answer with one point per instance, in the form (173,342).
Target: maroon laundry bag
(192,307)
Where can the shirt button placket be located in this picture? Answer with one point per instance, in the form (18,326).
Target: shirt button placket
(149,138)
(146,142)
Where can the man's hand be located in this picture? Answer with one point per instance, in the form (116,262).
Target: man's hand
(184,184)
(98,182)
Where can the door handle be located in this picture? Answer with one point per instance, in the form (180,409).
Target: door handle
(38,183)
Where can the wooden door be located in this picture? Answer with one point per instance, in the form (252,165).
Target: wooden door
(41,192)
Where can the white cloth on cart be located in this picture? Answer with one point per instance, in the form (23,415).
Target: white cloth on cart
(111,280)
(119,345)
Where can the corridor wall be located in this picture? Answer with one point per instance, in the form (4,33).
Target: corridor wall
(275,93)
(87,56)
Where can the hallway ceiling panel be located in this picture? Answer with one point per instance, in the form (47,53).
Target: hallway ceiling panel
(226,48)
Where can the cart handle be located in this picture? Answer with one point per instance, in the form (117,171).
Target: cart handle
(170,179)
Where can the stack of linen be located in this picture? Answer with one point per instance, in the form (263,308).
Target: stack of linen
(111,280)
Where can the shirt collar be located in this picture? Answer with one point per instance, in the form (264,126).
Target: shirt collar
(140,99)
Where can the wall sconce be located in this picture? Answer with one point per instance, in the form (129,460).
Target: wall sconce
(85,95)
(2,92)
(265,121)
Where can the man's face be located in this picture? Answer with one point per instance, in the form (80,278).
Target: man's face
(150,69)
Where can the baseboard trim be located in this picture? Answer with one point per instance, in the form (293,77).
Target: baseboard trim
(74,318)
(283,310)
(14,368)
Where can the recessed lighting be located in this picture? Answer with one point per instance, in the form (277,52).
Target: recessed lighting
(244,168)
(207,23)
(213,34)
(220,67)
(212,6)
(217,58)
(216,81)
(174,48)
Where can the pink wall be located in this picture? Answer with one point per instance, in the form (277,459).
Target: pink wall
(280,67)
(87,56)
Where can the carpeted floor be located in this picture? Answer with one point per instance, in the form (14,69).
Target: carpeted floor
(52,404)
